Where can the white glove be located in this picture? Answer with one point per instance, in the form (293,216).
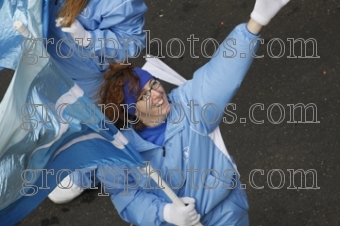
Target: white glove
(265,10)
(76,31)
(184,216)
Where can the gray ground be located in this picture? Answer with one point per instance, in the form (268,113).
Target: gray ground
(264,146)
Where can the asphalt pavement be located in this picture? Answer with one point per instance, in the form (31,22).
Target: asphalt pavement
(267,152)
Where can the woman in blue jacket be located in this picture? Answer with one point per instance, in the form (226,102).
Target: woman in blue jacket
(174,134)
(85,35)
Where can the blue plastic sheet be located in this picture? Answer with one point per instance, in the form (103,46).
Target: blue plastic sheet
(46,121)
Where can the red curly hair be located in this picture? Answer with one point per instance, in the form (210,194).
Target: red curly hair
(111,92)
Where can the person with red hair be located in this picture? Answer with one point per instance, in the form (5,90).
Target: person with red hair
(177,140)
(168,132)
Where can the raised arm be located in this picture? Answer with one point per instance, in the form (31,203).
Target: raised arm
(215,83)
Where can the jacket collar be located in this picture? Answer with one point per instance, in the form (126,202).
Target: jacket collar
(142,145)
(172,129)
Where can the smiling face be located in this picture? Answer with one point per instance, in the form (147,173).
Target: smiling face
(153,105)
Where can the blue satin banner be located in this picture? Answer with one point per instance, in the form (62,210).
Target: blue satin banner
(47,124)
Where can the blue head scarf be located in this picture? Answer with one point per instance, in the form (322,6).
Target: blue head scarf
(130,98)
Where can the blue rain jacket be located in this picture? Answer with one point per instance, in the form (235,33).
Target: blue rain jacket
(190,161)
(105,20)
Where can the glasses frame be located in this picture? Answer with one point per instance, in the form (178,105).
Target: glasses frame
(154,84)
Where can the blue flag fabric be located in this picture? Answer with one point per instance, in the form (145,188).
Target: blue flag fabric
(47,124)
(9,12)
(35,11)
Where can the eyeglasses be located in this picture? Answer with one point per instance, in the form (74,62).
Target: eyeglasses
(154,84)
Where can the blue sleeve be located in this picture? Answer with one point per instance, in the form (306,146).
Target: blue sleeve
(141,208)
(135,206)
(117,22)
(214,84)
